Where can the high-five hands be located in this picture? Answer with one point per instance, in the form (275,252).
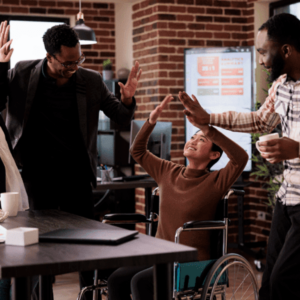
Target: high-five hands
(128,90)
(193,110)
(157,111)
(5,52)
(278,150)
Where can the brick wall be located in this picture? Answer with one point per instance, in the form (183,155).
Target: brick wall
(98,16)
(161,31)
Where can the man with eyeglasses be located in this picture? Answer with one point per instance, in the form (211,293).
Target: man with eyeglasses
(52,118)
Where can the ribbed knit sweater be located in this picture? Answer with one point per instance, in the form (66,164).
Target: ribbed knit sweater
(188,194)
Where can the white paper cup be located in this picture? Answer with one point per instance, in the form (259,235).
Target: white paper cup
(265,138)
(10,203)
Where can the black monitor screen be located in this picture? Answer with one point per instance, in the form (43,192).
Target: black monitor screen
(160,139)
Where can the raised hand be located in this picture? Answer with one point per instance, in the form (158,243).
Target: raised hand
(193,110)
(128,90)
(157,111)
(5,52)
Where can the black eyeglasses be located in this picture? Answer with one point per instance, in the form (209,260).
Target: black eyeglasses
(72,64)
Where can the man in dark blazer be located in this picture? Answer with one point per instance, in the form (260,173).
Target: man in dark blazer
(52,119)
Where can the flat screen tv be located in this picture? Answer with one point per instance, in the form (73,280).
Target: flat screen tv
(222,79)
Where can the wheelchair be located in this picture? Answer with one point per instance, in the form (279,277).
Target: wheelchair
(228,277)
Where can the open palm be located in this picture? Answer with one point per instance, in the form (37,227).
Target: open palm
(128,90)
(5,52)
(159,108)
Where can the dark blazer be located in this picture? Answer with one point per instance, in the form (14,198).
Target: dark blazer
(18,88)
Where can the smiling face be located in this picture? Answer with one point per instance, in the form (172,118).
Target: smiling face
(199,148)
(66,56)
(270,56)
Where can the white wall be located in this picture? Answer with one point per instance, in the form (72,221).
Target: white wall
(123,31)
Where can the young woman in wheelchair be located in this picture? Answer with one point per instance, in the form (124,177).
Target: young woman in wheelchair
(186,193)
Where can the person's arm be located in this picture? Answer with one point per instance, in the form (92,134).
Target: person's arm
(152,164)
(263,120)
(5,55)
(238,158)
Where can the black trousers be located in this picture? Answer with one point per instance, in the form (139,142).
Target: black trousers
(281,279)
(68,195)
(137,281)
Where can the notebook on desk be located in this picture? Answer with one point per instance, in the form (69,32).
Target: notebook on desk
(88,236)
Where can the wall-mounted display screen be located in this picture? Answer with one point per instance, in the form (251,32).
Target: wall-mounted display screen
(222,80)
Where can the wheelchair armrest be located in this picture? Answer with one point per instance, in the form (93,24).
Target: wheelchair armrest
(134,218)
(203,224)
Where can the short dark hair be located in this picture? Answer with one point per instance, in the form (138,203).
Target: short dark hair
(214,148)
(59,35)
(284,29)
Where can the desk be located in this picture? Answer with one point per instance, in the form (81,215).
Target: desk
(45,259)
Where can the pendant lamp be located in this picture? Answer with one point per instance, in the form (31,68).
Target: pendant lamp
(86,34)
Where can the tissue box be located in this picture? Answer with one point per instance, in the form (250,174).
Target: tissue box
(22,236)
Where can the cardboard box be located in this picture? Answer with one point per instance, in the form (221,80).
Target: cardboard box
(22,236)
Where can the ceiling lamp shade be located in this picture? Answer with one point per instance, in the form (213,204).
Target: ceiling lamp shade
(86,34)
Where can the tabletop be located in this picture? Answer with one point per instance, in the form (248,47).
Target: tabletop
(58,258)
(119,185)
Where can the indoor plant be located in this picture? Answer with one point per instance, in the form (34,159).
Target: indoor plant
(107,70)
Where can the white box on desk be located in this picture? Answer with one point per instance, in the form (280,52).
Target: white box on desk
(22,236)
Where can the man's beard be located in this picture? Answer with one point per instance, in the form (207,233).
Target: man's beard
(277,67)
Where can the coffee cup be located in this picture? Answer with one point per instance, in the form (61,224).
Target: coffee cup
(265,138)
(10,203)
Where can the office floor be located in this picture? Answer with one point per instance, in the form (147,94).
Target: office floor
(66,286)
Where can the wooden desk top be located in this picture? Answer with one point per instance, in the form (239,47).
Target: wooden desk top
(59,258)
(144,183)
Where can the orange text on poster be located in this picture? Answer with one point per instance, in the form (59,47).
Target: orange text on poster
(232,81)
(232,72)
(208,82)
(234,91)
(208,66)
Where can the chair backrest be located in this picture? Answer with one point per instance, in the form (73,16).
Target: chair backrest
(216,236)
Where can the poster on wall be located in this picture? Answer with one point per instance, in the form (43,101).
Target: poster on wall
(222,80)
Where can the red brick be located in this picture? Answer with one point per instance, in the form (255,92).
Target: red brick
(167,33)
(106,40)
(214,11)
(166,17)
(100,5)
(248,12)
(112,6)
(103,12)
(204,19)
(185,18)
(23,10)
(196,10)
(83,4)
(177,26)
(214,43)
(37,10)
(48,3)
(179,9)
(239,36)
(64,4)
(230,43)
(186,34)
(222,35)
(222,19)
(203,34)
(239,20)
(138,15)
(136,7)
(196,43)
(11,2)
(105,26)
(204,2)
(160,8)
(55,11)
(234,12)
(29,2)
(218,3)
(194,26)
(100,47)
(73,12)
(214,27)
(239,4)
(176,42)
(176,58)
(145,3)
(232,27)
(166,50)
(185,2)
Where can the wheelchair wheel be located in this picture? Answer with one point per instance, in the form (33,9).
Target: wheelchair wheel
(231,277)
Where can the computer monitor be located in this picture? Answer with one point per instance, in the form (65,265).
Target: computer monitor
(160,139)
